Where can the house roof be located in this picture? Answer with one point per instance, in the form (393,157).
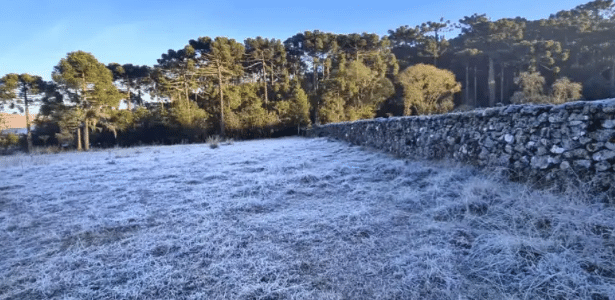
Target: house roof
(15,121)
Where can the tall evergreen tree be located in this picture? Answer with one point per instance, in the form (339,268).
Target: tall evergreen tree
(295,111)
(176,74)
(432,41)
(16,88)
(221,59)
(405,44)
(493,39)
(467,56)
(267,56)
(317,49)
(405,36)
(91,85)
(133,79)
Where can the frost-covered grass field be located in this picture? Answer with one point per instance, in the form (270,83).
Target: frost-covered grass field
(290,218)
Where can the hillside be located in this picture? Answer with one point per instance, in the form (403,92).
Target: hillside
(290,218)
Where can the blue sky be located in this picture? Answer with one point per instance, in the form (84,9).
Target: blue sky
(36,34)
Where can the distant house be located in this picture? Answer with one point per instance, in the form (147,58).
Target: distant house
(14,123)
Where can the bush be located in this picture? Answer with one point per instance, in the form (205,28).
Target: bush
(9,140)
(213,141)
(428,90)
(564,90)
(532,90)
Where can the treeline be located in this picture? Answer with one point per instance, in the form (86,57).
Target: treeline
(268,87)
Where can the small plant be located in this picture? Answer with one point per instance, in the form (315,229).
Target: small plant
(9,140)
(228,141)
(213,141)
(52,149)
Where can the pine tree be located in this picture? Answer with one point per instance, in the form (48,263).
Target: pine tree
(90,85)
(220,59)
(133,79)
(433,44)
(295,111)
(16,89)
(265,57)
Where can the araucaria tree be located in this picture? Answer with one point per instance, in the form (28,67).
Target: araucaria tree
(295,111)
(89,84)
(16,89)
(133,79)
(220,59)
(262,57)
(427,89)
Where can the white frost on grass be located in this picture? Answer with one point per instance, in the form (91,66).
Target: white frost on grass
(289,218)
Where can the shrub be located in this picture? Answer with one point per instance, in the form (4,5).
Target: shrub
(532,90)
(9,140)
(427,89)
(213,141)
(564,90)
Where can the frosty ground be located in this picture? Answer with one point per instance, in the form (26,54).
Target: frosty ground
(290,218)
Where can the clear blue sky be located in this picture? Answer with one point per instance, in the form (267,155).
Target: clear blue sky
(36,34)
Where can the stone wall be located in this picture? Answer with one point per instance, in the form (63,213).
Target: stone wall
(548,144)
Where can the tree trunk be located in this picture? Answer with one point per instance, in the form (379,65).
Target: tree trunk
(435,55)
(467,89)
(314,74)
(86,136)
(79,138)
(265,81)
(186,88)
(491,83)
(475,89)
(221,102)
(187,98)
(29,132)
(502,85)
(612,78)
(129,100)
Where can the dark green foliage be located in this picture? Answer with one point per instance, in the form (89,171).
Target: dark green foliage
(89,85)
(265,87)
(218,62)
(134,81)
(296,111)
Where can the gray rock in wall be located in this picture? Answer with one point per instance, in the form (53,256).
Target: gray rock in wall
(604,155)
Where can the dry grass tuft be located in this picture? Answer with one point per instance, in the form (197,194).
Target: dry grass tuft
(213,141)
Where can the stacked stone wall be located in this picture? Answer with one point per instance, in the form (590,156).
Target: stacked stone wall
(572,142)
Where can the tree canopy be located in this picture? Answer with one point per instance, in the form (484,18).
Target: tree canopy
(89,85)
(15,89)
(428,90)
(267,87)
